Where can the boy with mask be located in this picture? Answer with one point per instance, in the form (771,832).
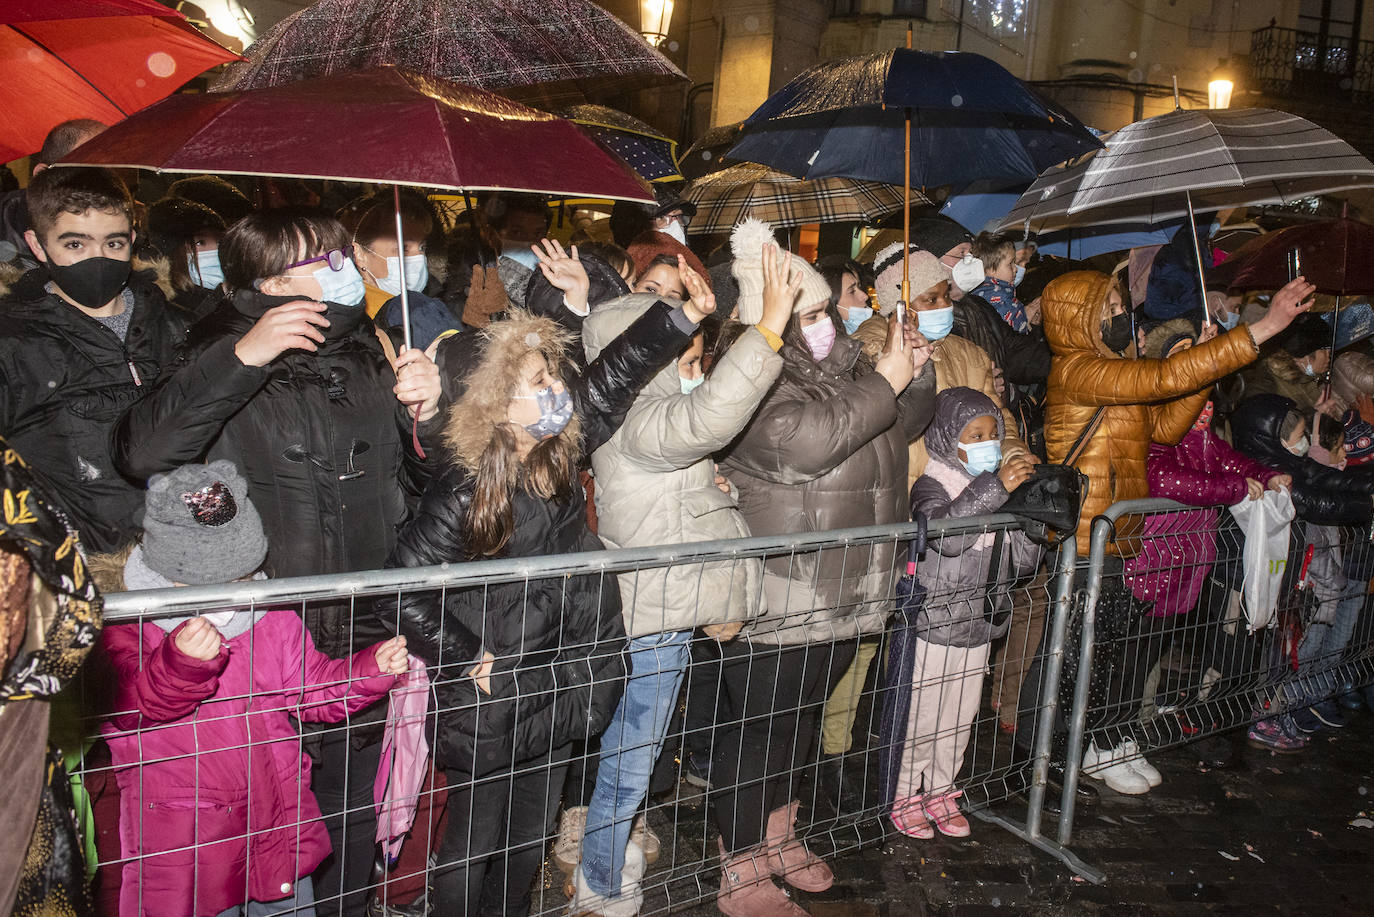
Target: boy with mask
(996,254)
(81,337)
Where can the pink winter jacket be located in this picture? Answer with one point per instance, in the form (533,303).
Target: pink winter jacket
(1180,548)
(179,744)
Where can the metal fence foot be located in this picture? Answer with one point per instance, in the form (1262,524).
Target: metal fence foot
(1058,851)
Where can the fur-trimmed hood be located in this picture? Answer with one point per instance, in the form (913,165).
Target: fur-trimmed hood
(495,359)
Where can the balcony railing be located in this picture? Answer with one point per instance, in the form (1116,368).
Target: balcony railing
(1290,62)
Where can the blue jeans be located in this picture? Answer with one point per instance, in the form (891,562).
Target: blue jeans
(629,748)
(1322,646)
(301,904)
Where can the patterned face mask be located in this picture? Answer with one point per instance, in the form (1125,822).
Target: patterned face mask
(555,410)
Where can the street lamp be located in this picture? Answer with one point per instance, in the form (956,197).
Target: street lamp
(1220,86)
(654,17)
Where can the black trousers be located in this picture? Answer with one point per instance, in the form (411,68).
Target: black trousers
(494,842)
(779,695)
(342,779)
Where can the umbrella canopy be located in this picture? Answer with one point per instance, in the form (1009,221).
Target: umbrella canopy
(101,59)
(707,153)
(383,125)
(652,155)
(1337,257)
(750,190)
(562,50)
(970,119)
(1223,158)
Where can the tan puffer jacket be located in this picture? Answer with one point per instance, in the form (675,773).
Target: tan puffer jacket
(1146,400)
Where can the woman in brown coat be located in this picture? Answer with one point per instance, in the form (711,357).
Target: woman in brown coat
(1142,401)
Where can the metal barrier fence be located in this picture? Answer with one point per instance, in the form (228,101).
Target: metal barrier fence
(753,723)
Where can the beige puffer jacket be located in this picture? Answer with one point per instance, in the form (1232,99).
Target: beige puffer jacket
(655,481)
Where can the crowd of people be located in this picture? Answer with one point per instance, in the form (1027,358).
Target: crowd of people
(215,389)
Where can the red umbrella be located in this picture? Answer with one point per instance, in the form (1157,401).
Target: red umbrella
(383,125)
(102,59)
(549,51)
(1337,256)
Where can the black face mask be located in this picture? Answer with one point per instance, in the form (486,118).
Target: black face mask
(91,283)
(1116,333)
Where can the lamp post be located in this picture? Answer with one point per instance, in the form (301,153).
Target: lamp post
(654,19)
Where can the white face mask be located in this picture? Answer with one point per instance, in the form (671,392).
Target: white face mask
(675,230)
(416,275)
(968,273)
(1018,275)
(1300,447)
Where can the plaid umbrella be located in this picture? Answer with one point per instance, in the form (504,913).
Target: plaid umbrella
(1223,158)
(569,49)
(652,155)
(101,59)
(750,190)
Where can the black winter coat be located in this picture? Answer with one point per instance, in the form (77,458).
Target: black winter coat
(1321,494)
(64,381)
(1023,358)
(324,444)
(559,641)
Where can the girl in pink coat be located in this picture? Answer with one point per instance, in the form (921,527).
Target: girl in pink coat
(216,813)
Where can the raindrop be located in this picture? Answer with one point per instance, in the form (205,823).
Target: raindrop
(140,82)
(672,46)
(751,23)
(35,56)
(956,100)
(706,155)
(1136,76)
(161,64)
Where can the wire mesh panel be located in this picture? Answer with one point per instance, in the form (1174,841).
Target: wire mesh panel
(558,735)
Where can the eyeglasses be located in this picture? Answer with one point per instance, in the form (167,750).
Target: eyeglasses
(677,216)
(335,258)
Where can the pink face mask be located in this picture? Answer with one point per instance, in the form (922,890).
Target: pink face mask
(820,337)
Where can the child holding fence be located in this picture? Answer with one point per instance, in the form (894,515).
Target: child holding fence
(216,813)
(961,615)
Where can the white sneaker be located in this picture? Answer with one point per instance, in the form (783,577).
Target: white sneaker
(1109,767)
(583,902)
(567,850)
(1131,752)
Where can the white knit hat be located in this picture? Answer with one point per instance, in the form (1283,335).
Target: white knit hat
(746,244)
(926,270)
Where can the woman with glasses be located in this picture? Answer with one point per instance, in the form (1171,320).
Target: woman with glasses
(289,380)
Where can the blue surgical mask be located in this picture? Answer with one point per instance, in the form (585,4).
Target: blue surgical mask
(857,316)
(521,254)
(555,410)
(1019,275)
(935,323)
(344,286)
(1309,370)
(416,273)
(1231,320)
(984,456)
(205,270)
(690,385)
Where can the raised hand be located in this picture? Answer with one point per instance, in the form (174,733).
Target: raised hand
(896,363)
(1288,303)
(564,271)
(781,287)
(701,302)
(417,381)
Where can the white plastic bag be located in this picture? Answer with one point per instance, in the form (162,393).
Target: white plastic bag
(1266,523)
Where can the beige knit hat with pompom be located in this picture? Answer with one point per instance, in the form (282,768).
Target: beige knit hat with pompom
(746,244)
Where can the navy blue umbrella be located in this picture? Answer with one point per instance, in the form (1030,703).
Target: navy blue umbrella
(970,119)
(652,155)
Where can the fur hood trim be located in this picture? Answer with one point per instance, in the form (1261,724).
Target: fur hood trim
(490,384)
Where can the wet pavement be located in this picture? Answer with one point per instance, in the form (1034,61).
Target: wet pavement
(1275,834)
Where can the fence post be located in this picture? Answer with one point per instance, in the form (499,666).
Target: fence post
(1049,694)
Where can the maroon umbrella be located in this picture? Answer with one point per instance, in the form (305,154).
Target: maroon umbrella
(383,125)
(1337,256)
(560,50)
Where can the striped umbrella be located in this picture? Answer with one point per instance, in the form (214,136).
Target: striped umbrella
(750,190)
(1161,168)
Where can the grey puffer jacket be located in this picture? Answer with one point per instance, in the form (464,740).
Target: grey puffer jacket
(655,484)
(827,450)
(954,569)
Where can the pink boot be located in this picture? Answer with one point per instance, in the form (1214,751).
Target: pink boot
(789,858)
(747,889)
(944,811)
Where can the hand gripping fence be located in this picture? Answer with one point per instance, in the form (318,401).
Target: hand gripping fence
(711,739)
